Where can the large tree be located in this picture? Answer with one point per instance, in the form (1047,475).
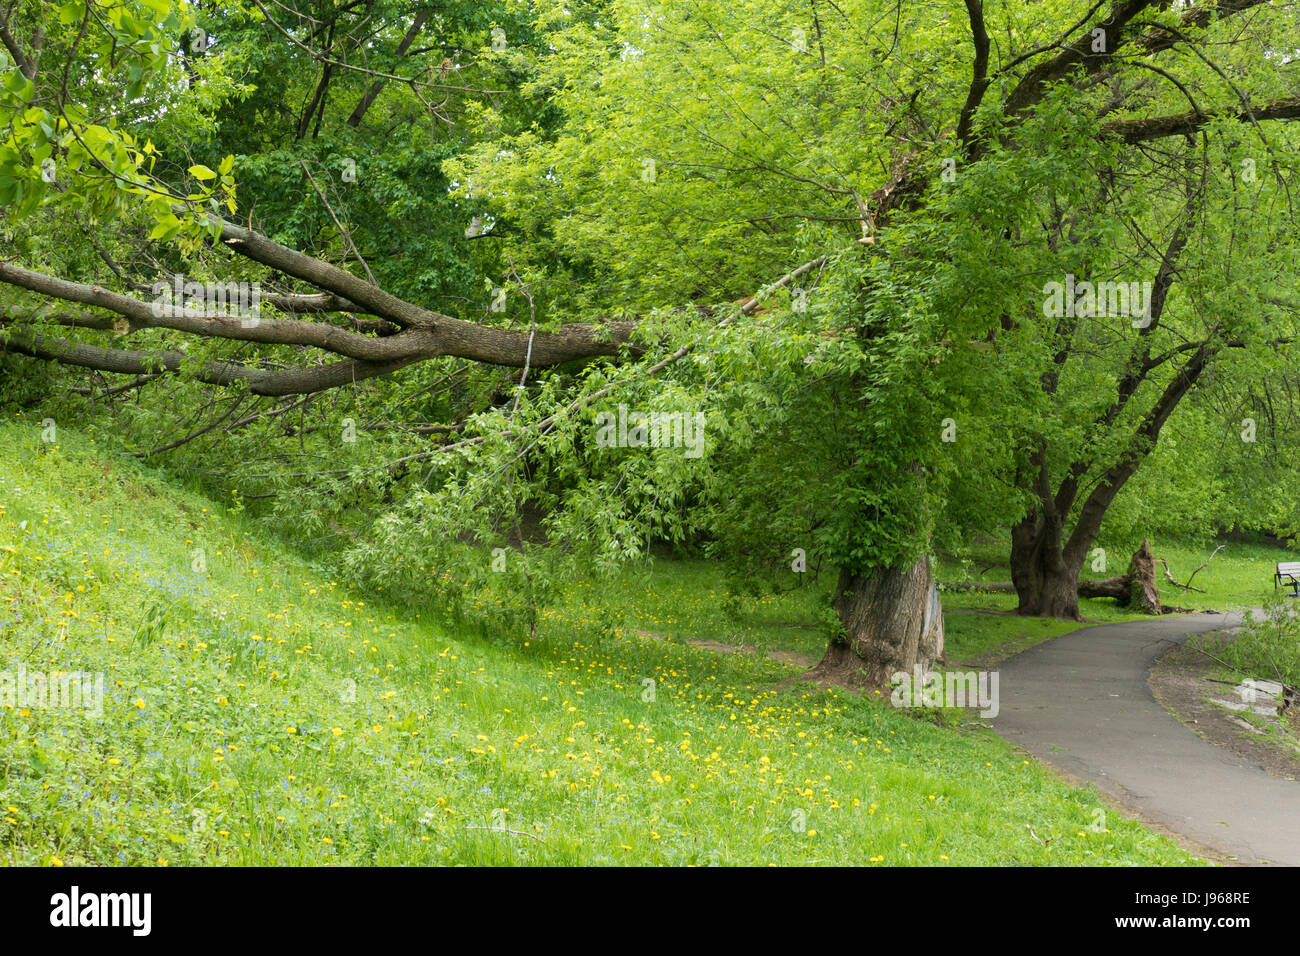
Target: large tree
(903,183)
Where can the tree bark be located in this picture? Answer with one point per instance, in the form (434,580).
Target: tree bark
(1144,593)
(1045,578)
(893,621)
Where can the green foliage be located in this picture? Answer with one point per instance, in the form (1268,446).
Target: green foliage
(83,154)
(1268,645)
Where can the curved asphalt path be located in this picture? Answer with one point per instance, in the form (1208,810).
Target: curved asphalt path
(1081,703)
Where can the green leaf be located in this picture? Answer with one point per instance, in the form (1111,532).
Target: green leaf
(71,12)
(202,172)
(134,84)
(167,227)
(20,86)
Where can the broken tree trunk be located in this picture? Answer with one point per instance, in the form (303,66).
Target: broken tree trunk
(1136,589)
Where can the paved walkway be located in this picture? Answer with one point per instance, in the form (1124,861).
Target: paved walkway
(1081,703)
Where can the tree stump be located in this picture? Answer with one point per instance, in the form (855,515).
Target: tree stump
(1144,594)
(1136,589)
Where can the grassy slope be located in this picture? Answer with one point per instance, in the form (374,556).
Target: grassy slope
(228,735)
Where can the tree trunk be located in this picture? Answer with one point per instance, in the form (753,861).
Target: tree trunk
(1046,583)
(1053,595)
(893,621)
(1144,594)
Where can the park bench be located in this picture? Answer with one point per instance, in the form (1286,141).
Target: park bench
(1288,575)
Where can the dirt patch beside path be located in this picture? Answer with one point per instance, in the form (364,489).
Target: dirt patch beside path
(1184,682)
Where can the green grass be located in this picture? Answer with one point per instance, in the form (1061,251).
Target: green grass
(260,710)
(684,599)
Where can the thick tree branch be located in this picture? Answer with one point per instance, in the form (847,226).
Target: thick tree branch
(259,381)
(142,315)
(456,337)
(20,58)
(449,336)
(1091,51)
(1201,16)
(980,78)
(1140,364)
(1143,440)
(377,87)
(1157,127)
(327,277)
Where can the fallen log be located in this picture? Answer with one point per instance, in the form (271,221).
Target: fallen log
(995,587)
